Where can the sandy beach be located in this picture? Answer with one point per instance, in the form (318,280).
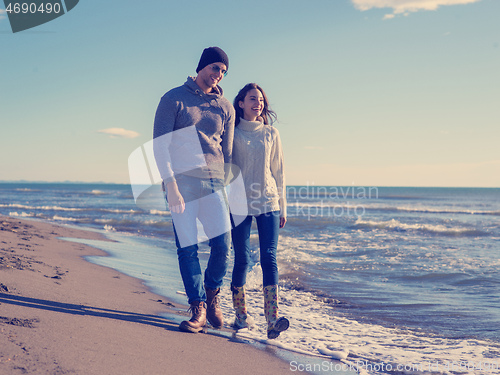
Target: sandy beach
(60,314)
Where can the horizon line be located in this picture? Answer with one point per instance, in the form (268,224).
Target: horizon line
(308,185)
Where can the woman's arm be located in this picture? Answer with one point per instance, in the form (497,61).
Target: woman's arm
(278,172)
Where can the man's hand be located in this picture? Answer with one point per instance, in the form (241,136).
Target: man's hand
(174,198)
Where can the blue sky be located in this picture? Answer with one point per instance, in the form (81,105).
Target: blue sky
(368,92)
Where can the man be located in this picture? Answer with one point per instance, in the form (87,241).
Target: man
(193,140)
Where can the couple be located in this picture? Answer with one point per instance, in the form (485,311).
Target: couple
(194,168)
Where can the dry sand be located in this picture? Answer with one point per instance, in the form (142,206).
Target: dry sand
(60,314)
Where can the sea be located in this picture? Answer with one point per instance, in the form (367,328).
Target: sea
(374,280)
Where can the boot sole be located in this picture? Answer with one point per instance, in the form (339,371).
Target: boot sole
(281,325)
(186,328)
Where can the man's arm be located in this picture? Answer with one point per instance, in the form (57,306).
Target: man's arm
(164,125)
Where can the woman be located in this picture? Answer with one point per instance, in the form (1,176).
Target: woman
(257,152)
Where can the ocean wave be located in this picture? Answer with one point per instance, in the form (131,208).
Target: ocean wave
(118,211)
(437,210)
(69,209)
(159,212)
(397,226)
(46,208)
(158,223)
(376,207)
(98,192)
(60,218)
(22,214)
(90,193)
(118,223)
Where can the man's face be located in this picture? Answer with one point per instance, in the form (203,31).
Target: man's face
(210,76)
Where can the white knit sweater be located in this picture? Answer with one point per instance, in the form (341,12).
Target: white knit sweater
(258,153)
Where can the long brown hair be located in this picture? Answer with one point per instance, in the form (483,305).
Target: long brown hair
(268,115)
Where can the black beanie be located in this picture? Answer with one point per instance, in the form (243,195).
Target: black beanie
(211,55)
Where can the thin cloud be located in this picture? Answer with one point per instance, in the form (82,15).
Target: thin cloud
(119,132)
(2,14)
(406,6)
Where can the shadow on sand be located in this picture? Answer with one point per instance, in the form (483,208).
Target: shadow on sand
(68,308)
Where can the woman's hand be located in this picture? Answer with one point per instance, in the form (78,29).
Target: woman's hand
(174,198)
(282,221)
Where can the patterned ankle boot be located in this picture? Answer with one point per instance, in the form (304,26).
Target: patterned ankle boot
(275,325)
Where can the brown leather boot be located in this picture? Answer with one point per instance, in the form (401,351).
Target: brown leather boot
(198,320)
(214,313)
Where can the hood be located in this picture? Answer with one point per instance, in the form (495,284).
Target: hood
(193,88)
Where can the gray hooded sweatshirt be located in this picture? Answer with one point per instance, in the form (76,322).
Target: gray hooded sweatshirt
(193,132)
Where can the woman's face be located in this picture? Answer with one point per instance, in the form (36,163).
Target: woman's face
(252,105)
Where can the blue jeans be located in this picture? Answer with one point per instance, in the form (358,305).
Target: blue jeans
(268,227)
(206,201)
